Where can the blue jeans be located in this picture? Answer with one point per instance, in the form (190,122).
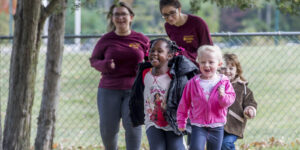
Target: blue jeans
(212,137)
(228,141)
(112,106)
(164,140)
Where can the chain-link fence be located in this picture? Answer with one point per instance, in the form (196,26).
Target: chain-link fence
(270,62)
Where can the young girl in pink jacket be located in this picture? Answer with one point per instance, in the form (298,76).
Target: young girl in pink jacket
(205,100)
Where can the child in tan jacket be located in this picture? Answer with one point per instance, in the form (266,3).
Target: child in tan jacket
(244,106)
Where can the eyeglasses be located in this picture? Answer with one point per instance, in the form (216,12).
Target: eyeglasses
(116,15)
(171,13)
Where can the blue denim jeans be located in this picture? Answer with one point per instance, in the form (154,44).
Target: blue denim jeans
(228,141)
(112,106)
(212,137)
(164,140)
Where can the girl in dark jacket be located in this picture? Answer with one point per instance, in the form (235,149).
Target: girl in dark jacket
(158,86)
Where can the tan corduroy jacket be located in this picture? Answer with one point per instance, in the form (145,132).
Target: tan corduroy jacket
(236,120)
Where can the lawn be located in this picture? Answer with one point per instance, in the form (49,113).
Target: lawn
(272,71)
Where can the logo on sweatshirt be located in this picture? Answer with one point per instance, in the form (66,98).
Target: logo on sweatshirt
(188,38)
(134,45)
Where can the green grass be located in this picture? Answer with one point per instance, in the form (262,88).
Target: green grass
(273,73)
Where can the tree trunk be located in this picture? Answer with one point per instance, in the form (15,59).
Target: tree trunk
(47,116)
(29,21)
(22,76)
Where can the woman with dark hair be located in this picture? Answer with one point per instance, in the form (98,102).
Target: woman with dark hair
(116,56)
(188,31)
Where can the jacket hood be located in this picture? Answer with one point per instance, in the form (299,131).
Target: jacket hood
(238,80)
(180,65)
(244,83)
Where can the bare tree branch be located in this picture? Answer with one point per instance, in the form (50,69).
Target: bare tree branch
(51,8)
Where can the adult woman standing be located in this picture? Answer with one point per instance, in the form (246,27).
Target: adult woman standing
(188,31)
(116,56)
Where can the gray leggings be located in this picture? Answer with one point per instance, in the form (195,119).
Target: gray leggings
(112,106)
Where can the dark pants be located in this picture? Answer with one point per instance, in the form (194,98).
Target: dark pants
(112,106)
(228,141)
(164,140)
(204,135)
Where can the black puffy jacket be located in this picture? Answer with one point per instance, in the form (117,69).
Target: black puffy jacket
(181,69)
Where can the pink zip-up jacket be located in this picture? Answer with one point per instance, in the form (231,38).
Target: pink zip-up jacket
(201,111)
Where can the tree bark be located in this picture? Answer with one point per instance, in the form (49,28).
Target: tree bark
(47,116)
(29,20)
(22,76)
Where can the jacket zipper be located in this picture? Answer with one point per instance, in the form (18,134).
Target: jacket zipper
(208,104)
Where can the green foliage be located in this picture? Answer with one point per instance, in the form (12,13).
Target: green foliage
(69,27)
(82,3)
(148,18)
(288,6)
(92,19)
(4,25)
(285,6)
(242,4)
(292,21)
(254,25)
(210,13)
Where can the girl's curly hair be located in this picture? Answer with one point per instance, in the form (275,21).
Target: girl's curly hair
(172,46)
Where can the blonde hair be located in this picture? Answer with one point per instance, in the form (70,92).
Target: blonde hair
(212,49)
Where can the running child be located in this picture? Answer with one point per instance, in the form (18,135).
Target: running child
(205,100)
(244,106)
(156,94)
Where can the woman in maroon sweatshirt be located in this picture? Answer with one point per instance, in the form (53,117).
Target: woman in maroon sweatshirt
(116,56)
(188,31)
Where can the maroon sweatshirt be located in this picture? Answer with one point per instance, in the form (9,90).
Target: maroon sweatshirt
(126,51)
(191,35)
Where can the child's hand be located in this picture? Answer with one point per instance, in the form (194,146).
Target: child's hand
(112,64)
(249,112)
(181,129)
(221,90)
